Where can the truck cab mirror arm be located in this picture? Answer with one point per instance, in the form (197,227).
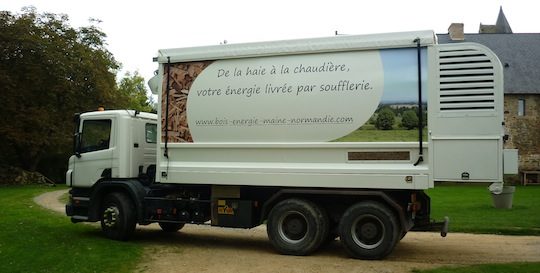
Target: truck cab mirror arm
(77,135)
(77,144)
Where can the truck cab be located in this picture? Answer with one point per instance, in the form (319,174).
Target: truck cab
(99,152)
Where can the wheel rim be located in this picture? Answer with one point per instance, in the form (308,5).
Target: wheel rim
(368,231)
(110,216)
(293,227)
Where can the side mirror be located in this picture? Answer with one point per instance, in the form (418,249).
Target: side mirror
(153,83)
(77,136)
(77,144)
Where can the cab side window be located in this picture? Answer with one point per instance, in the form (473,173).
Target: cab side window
(151,133)
(96,135)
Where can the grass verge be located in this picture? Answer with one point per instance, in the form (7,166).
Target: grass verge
(470,210)
(33,239)
(487,268)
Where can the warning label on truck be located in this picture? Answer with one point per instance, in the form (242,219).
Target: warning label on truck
(223,208)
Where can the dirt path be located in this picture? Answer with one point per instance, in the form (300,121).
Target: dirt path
(209,249)
(50,200)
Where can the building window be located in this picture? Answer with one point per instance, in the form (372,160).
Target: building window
(521,107)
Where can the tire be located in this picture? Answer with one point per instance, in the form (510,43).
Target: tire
(369,230)
(171,227)
(297,227)
(118,218)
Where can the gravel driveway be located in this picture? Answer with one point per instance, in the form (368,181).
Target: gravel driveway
(212,249)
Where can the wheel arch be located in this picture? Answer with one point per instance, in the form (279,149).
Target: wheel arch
(132,188)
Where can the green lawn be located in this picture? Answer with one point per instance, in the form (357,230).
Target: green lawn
(469,208)
(488,268)
(33,239)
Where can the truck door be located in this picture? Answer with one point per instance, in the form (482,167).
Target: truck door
(466,114)
(96,152)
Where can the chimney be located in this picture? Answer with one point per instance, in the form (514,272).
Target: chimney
(487,29)
(455,31)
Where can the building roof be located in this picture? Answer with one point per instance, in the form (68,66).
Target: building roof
(502,25)
(519,54)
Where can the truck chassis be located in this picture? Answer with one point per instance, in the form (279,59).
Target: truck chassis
(298,220)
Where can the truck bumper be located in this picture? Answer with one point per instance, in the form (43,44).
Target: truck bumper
(441,226)
(77,208)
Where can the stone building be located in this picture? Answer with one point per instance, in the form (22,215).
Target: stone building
(520,56)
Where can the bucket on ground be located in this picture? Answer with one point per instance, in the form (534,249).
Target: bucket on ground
(502,198)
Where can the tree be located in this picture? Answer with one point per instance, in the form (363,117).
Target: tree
(385,119)
(133,87)
(409,119)
(48,72)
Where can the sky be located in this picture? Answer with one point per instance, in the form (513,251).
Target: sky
(136,30)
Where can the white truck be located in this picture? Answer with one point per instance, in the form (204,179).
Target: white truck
(245,133)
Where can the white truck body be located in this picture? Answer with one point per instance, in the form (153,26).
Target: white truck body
(464,95)
(248,134)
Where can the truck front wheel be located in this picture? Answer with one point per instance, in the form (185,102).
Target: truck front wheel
(118,216)
(369,230)
(297,227)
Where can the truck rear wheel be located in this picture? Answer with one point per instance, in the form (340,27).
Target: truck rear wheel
(118,216)
(171,227)
(297,227)
(369,230)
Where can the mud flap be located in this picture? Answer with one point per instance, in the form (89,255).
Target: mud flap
(435,226)
(444,228)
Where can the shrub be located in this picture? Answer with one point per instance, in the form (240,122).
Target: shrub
(385,119)
(409,120)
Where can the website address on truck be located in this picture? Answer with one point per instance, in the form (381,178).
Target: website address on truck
(276,121)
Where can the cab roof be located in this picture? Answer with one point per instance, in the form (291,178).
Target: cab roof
(124,113)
